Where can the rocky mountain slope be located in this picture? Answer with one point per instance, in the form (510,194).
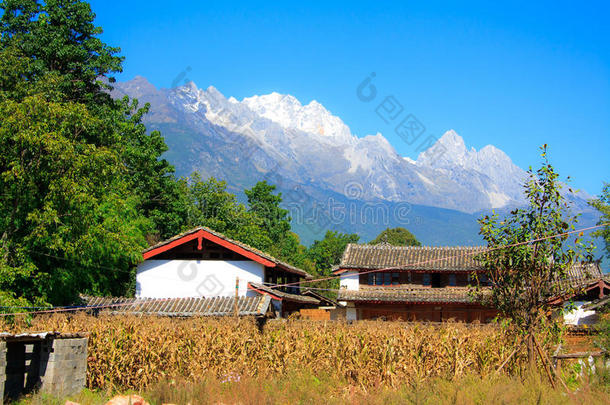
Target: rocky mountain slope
(331,178)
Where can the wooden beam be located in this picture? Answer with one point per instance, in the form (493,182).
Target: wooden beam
(578,355)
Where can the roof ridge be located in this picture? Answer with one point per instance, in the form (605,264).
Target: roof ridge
(233,241)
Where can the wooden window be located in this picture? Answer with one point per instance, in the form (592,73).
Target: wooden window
(426,279)
(452,280)
(435,280)
(383,279)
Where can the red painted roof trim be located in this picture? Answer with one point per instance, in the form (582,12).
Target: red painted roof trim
(601,284)
(212,238)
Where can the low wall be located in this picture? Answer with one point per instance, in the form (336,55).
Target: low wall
(315,314)
(42,362)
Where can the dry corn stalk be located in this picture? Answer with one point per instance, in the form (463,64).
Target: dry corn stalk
(131,352)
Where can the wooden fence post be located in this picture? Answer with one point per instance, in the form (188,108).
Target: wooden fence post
(236,297)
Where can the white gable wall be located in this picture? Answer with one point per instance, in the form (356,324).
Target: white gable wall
(350,280)
(579,315)
(196,278)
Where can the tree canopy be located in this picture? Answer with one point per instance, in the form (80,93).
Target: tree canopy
(83,181)
(397,237)
(327,252)
(60,36)
(602,204)
(530,253)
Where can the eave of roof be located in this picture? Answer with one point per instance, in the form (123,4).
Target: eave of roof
(322,298)
(218,238)
(414,269)
(451,295)
(414,258)
(598,303)
(182,307)
(281,295)
(571,289)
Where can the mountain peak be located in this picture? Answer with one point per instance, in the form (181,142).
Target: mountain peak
(137,87)
(453,142)
(141,80)
(189,87)
(273,100)
(288,111)
(213,92)
(450,149)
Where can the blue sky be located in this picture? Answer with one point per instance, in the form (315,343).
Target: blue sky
(513,76)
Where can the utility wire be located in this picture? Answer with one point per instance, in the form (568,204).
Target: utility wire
(449,257)
(77,308)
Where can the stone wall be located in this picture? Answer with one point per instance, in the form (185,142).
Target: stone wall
(63,370)
(52,365)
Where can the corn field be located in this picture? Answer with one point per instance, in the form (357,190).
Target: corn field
(130,352)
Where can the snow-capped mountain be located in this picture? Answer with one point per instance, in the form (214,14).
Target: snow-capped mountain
(308,143)
(306,147)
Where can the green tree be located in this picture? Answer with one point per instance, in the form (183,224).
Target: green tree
(60,36)
(210,204)
(397,237)
(80,175)
(327,252)
(266,205)
(67,213)
(602,204)
(526,259)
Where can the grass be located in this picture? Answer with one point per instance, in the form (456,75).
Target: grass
(306,388)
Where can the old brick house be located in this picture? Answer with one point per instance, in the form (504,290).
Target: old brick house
(426,283)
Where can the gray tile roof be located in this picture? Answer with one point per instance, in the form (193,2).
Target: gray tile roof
(409,295)
(301,299)
(214,306)
(427,258)
(285,266)
(323,299)
(581,274)
(38,336)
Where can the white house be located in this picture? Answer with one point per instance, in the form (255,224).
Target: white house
(204,263)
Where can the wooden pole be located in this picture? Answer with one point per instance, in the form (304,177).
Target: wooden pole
(544,363)
(236,297)
(547,363)
(510,356)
